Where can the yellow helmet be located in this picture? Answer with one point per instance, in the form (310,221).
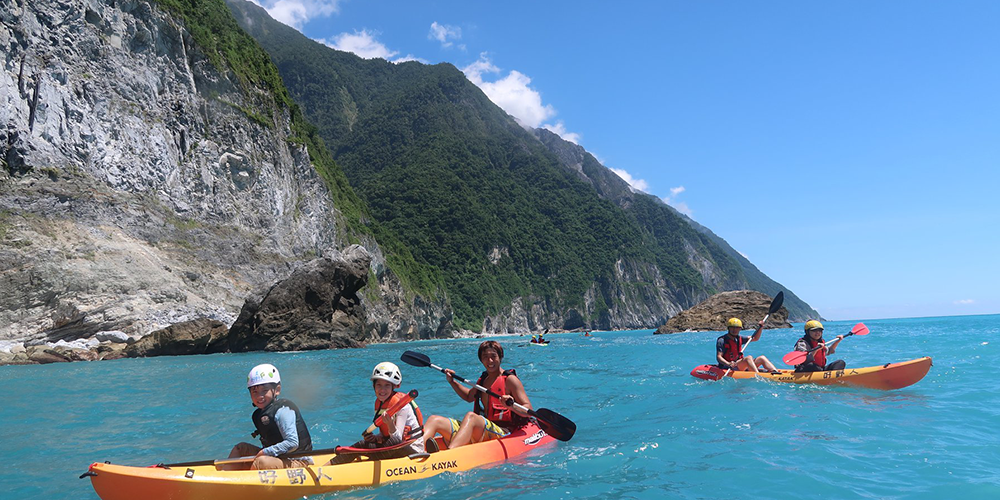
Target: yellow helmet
(813,325)
(734,322)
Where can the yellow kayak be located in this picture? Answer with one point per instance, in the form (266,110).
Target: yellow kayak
(887,377)
(121,482)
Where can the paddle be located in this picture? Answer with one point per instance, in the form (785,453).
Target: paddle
(775,305)
(390,412)
(797,357)
(338,450)
(549,421)
(713,372)
(234,460)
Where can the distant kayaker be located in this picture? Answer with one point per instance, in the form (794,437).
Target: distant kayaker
(816,359)
(406,424)
(490,418)
(279,424)
(729,349)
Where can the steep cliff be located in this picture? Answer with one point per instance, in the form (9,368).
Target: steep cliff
(744,274)
(154,170)
(526,233)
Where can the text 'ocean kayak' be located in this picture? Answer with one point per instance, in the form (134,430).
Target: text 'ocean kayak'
(120,482)
(887,377)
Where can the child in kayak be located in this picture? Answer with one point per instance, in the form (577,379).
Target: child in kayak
(407,424)
(816,359)
(490,418)
(279,424)
(729,349)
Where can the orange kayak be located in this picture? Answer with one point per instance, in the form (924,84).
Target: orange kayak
(886,377)
(122,482)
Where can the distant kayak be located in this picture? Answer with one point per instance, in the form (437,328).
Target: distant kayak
(886,377)
(189,482)
(539,344)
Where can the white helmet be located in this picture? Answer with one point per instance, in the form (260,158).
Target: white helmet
(263,374)
(389,372)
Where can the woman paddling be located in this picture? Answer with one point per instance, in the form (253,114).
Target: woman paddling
(491,418)
(812,342)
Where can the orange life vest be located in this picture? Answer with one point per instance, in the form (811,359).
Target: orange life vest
(732,348)
(496,411)
(819,355)
(380,408)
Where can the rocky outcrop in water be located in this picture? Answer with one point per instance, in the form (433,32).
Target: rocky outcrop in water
(711,315)
(198,336)
(317,307)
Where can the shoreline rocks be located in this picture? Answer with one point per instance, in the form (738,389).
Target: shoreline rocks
(711,315)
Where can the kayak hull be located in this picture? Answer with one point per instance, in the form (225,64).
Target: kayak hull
(885,377)
(120,482)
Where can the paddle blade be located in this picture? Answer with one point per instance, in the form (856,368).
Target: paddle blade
(554,424)
(708,372)
(415,359)
(795,358)
(859,329)
(776,303)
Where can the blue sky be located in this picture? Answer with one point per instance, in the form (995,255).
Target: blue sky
(849,149)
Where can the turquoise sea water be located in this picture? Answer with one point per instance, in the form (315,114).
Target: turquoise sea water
(647,429)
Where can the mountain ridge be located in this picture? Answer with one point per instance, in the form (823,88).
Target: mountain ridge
(521,238)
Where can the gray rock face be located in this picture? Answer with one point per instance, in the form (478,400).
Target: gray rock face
(198,336)
(113,336)
(317,307)
(635,298)
(711,315)
(134,191)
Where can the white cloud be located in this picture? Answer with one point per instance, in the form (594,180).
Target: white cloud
(514,95)
(365,45)
(560,129)
(680,206)
(295,13)
(443,32)
(361,43)
(409,57)
(636,184)
(965,302)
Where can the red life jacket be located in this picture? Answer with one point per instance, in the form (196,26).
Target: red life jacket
(732,349)
(819,355)
(496,411)
(380,408)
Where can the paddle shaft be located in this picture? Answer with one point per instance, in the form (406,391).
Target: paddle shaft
(234,460)
(390,412)
(748,343)
(814,349)
(339,450)
(830,345)
(775,305)
(480,388)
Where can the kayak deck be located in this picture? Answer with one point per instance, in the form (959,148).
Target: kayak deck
(885,377)
(120,482)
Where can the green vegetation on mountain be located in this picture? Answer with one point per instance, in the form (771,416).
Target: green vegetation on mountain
(478,198)
(229,48)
